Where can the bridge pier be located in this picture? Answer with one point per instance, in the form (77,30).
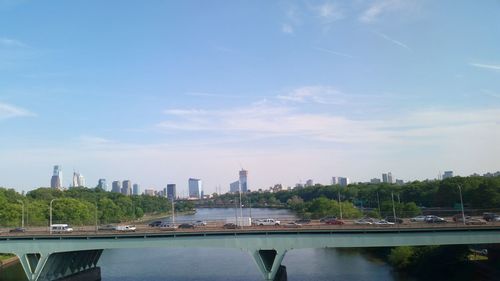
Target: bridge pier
(269,263)
(47,266)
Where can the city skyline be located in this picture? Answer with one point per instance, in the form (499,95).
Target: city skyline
(310,90)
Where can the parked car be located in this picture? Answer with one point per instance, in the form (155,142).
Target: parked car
(167,227)
(267,222)
(459,218)
(230,226)
(434,219)
(418,219)
(473,221)
(155,223)
(383,223)
(292,225)
(60,228)
(185,226)
(18,230)
(126,228)
(107,227)
(394,220)
(335,222)
(490,216)
(200,223)
(303,221)
(324,219)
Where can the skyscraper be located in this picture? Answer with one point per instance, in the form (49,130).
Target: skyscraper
(389,177)
(334,180)
(234,187)
(384,178)
(116,187)
(447,174)
(343,181)
(309,183)
(102,184)
(56,180)
(243,180)
(194,188)
(171,191)
(127,187)
(78,179)
(136,189)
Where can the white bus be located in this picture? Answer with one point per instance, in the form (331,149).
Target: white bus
(60,228)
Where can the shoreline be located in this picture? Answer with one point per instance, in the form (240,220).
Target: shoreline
(4,263)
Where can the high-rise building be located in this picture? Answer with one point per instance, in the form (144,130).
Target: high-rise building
(56,180)
(102,184)
(234,187)
(309,183)
(384,178)
(343,181)
(136,189)
(389,178)
(334,180)
(149,192)
(171,191)
(375,180)
(400,182)
(116,186)
(447,174)
(127,187)
(194,188)
(243,180)
(78,179)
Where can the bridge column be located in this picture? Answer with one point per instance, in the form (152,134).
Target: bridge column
(52,266)
(269,262)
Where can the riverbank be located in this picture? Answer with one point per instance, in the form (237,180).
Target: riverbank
(7,260)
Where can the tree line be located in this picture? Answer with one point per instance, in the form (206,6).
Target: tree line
(80,206)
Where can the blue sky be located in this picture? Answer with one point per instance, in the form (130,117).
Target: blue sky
(160,91)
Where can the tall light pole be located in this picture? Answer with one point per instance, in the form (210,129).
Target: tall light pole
(340,203)
(393,208)
(22,212)
(96,229)
(50,214)
(461,203)
(241,210)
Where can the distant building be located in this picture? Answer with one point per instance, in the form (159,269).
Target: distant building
(234,187)
(171,191)
(389,177)
(447,174)
(136,189)
(149,192)
(127,187)
(116,186)
(400,182)
(385,178)
(334,180)
(309,183)
(298,186)
(194,188)
(56,180)
(244,180)
(78,179)
(375,180)
(343,181)
(102,184)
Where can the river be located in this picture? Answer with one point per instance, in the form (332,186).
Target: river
(232,265)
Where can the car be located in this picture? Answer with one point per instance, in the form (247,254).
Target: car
(490,216)
(230,226)
(324,219)
(292,224)
(167,227)
(364,221)
(303,221)
(200,223)
(335,222)
(473,221)
(107,227)
(126,228)
(18,230)
(394,220)
(383,223)
(459,218)
(418,219)
(155,223)
(434,219)
(185,226)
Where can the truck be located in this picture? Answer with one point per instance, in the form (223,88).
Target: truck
(266,222)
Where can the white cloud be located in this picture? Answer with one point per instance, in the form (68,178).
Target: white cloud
(287,28)
(381,7)
(328,12)
(8,42)
(487,66)
(11,111)
(393,41)
(316,94)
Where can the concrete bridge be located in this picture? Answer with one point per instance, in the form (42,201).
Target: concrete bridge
(50,257)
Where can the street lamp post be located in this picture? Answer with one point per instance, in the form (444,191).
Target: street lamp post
(50,214)
(393,209)
(340,204)
(22,213)
(461,203)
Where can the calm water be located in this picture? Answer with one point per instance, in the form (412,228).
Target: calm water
(231,265)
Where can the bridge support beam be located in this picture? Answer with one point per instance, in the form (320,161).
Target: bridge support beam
(269,262)
(52,266)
